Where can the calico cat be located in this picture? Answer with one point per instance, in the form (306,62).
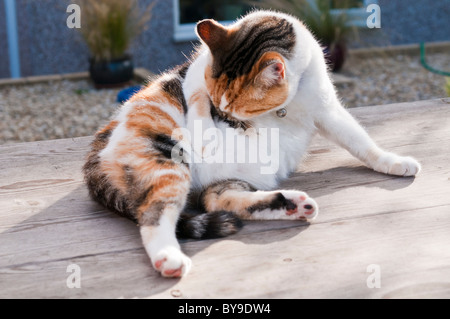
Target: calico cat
(264,71)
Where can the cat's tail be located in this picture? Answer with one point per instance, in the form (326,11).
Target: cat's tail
(208,225)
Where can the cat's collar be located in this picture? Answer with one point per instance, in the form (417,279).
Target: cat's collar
(281,112)
(231,121)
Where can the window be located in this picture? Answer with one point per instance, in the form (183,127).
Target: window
(192,11)
(188,12)
(339,4)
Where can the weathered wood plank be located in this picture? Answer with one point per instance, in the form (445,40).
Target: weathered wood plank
(323,260)
(47,220)
(328,259)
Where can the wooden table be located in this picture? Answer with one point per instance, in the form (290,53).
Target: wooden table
(372,228)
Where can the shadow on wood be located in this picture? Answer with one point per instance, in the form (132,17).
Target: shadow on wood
(75,230)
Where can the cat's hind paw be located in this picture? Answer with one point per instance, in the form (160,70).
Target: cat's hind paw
(285,204)
(305,206)
(171,262)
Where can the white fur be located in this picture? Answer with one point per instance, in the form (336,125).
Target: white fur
(121,134)
(162,172)
(162,246)
(312,107)
(223,103)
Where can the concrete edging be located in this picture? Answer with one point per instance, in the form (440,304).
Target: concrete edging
(406,49)
(140,74)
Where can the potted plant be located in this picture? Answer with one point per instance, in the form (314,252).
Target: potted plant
(330,28)
(108,27)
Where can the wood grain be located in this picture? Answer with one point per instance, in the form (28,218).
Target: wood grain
(48,222)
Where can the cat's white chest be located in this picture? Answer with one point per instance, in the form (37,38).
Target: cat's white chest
(262,155)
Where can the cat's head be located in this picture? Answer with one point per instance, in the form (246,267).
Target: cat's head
(247,73)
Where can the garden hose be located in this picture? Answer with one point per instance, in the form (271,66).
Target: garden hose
(426,66)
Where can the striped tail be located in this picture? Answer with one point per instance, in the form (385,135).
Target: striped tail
(207,225)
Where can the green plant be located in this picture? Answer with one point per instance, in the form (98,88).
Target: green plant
(329,27)
(80,91)
(447,85)
(109,26)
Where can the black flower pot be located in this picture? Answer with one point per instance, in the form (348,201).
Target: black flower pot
(335,56)
(112,73)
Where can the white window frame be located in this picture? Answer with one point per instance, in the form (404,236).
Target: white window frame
(186,32)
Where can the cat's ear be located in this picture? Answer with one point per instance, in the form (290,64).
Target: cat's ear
(272,72)
(212,33)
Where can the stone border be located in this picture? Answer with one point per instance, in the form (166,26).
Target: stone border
(143,75)
(407,49)
(140,74)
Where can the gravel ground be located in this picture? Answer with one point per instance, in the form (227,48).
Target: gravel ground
(66,109)
(53,110)
(385,80)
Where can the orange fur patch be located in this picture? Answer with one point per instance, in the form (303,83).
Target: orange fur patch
(245,97)
(154,93)
(200,98)
(230,200)
(149,121)
(164,188)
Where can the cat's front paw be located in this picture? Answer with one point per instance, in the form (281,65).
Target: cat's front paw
(389,163)
(171,262)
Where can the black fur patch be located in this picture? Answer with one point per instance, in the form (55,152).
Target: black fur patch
(153,214)
(209,225)
(182,69)
(104,136)
(221,186)
(223,117)
(163,161)
(174,88)
(277,202)
(165,144)
(103,191)
(250,43)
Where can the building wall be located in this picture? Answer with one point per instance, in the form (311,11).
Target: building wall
(47,46)
(4,58)
(407,22)
(155,49)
